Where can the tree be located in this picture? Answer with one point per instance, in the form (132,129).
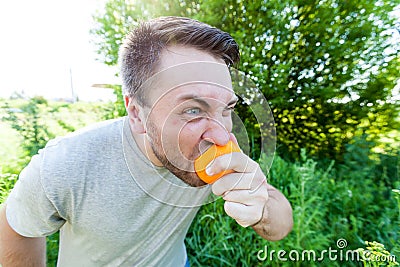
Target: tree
(327,68)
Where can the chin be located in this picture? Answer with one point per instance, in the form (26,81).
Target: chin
(189,178)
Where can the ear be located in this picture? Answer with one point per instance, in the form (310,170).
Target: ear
(136,119)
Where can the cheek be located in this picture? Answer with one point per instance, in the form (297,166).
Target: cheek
(228,123)
(169,125)
(191,131)
(190,134)
(177,133)
(195,130)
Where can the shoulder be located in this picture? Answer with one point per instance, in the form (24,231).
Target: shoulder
(109,130)
(68,163)
(73,154)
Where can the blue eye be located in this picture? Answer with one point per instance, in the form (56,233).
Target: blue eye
(192,111)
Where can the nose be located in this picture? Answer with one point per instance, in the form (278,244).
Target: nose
(216,133)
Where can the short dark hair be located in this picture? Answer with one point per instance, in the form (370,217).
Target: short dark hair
(140,53)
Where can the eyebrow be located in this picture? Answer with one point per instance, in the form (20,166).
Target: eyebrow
(203,102)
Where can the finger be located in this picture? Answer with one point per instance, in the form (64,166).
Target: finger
(232,181)
(248,197)
(236,161)
(243,215)
(238,181)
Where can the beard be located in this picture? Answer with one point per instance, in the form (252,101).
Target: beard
(183,173)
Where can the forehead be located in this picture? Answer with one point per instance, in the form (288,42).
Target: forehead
(175,55)
(189,71)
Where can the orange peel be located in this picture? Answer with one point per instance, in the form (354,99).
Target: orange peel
(201,163)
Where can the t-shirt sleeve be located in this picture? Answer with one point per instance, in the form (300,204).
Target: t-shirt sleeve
(29,211)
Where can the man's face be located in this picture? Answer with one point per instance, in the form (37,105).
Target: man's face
(188,110)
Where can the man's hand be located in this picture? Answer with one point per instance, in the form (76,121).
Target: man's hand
(250,200)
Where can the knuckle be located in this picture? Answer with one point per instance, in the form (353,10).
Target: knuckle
(226,207)
(260,173)
(244,224)
(229,209)
(251,163)
(216,189)
(257,213)
(259,181)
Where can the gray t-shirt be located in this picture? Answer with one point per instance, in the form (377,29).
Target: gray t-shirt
(111,205)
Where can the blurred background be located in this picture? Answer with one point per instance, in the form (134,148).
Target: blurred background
(329,70)
(46,50)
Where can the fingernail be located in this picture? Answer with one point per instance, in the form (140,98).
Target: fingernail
(208,170)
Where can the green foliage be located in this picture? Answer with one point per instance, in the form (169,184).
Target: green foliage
(116,19)
(396,249)
(327,67)
(217,240)
(362,207)
(52,243)
(305,186)
(375,254)
(7,182)
(30,124)
(115,109)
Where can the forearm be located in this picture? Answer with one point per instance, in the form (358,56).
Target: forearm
(277,220)
(16,250)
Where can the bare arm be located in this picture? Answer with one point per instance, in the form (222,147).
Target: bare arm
(17,250)
(277,218)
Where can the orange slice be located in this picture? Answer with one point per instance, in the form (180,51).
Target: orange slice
(213,152)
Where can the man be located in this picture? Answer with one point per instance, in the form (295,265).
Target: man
(123,192)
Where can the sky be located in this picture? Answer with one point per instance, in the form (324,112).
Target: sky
(45,43)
